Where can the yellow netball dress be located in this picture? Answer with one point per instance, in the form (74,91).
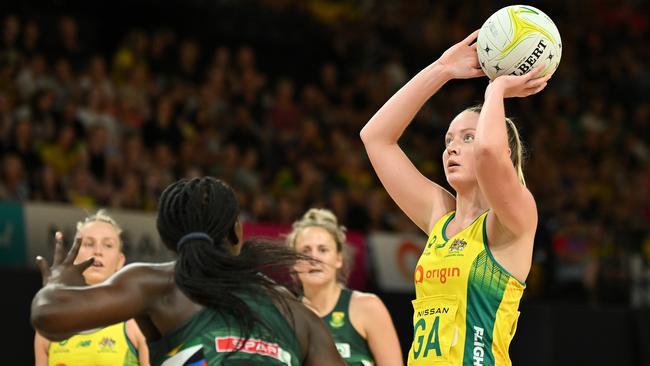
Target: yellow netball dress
(466,306)
(109,346)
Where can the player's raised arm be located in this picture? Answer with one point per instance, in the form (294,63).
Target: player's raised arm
(422,200)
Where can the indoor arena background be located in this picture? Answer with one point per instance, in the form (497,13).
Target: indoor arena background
(102,104)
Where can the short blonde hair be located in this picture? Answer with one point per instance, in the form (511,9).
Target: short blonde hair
(101,216)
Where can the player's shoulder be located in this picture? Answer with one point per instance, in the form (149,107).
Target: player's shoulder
(364,297)
(366,302)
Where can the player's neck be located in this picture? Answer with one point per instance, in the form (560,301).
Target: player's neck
(323,298)
(469,205)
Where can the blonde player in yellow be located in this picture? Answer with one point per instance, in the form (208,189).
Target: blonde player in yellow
(470,276)
(121,344)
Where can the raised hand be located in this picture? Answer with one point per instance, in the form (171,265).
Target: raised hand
(520,86)
(63,270)
(460,61)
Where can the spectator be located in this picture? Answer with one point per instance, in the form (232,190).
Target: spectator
(14,185)
(199,114)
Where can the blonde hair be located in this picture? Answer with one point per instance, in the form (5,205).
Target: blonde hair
(101,216)
(324,218)
(517,151)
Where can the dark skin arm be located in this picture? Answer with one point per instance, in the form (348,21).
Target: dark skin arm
(65,306)
(146,292)
(315,339)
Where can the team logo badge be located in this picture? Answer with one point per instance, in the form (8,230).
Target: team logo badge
(83,344)
(107,343)
(457,246)
(337,319)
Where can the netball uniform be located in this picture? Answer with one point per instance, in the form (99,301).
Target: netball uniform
(109,346)
(466,306)
(352,347)
(211,338)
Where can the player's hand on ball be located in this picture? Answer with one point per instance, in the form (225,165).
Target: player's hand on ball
(520,86)
(460,61)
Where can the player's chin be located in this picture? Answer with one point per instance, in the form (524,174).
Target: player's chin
(457,179)
(94,275)
(314,279)
(453,174)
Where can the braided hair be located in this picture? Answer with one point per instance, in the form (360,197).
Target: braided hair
(206,271)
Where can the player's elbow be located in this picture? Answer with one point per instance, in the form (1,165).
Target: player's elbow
(364,134)
(45,319)
(45,324)
(373,138)
(41,318)
(372,134)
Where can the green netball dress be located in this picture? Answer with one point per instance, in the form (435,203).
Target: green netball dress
(211,338)
(352,347)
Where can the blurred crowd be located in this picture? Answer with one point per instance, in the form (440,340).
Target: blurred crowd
(110,125)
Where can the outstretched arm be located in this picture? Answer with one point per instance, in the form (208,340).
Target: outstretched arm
(64,307)
(510,201)
(421,200)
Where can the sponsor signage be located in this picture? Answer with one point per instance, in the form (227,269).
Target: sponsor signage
(394,258)
(12,234)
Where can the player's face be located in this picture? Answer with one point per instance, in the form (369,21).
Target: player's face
(458,156)
(100,240)
(318,243)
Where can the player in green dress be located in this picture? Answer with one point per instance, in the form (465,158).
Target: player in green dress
(359,322)
(209,306)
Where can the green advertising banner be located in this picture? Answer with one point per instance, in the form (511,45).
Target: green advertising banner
(12,235)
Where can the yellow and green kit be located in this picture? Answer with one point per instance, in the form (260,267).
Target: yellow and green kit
(466,306)
(104,346)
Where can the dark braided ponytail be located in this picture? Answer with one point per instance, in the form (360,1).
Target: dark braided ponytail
(206,271)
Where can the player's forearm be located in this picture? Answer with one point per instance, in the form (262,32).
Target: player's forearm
(492,134)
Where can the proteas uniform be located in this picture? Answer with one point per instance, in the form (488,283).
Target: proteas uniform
(212,338)
(352,347)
